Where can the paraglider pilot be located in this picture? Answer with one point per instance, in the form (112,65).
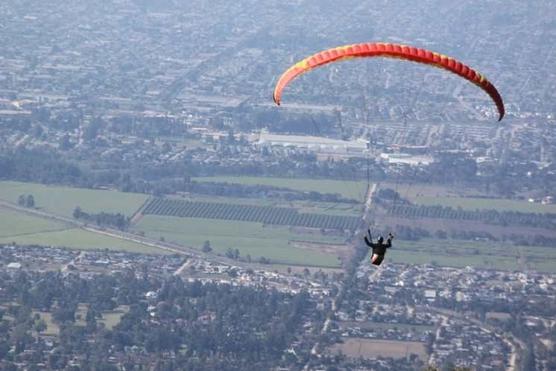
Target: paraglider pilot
(379,248)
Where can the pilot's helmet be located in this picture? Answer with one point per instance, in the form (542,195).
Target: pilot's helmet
(380,239)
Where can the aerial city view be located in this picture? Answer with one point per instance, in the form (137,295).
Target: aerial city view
(277,185)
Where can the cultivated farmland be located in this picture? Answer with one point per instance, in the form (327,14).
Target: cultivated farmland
(249,213)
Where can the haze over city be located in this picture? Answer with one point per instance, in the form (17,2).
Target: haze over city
(159,211)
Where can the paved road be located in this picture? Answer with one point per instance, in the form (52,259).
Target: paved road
(335,304)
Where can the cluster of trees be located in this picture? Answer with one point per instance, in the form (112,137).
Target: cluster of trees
(536,240)
(42,166)
(404,232)
(188,323)
(452,167)
(232,253)
(103,219)
(25,293)
(388,196)
(26,201)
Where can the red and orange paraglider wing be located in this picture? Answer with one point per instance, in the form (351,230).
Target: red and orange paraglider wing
(387,50)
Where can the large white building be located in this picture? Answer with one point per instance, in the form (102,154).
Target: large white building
(406,158)
(319,145)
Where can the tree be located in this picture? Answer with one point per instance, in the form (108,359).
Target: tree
(64,143)
(231,139)
(64,313)
(21,200)
(232,253)
(30,201)
(77,212)
(37,131)
(20,337)
(9,366)
(91,319)
(39,326)
(232,273)
(166,147)
(441,234)
(91,131)
(4,348)
(206,247)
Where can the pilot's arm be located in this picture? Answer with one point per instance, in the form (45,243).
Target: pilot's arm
(389,240)
(369,243)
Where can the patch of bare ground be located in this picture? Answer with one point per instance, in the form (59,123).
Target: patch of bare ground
(371,348)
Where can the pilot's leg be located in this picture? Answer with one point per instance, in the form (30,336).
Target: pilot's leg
(377,259)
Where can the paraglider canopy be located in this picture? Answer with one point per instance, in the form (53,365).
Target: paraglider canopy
(388,50)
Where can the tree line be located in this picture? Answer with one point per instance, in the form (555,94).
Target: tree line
(103,219)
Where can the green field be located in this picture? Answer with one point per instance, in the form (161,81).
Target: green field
(14,224)
(349,189)
(112,318)
(482,254)
(25,229)
(63,200)
(249,238)
(473,203)
(81,240)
